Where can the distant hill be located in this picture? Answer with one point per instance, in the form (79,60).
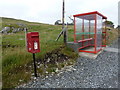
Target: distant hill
(6,20)
(15,25)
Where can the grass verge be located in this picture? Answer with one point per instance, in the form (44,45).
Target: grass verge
(17,63)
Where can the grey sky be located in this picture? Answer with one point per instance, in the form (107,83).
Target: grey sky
(48,11)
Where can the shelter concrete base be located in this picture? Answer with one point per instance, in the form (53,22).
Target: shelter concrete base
(90,55)
(75,47)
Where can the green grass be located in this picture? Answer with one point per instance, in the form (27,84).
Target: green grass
(16,59)
(111,35)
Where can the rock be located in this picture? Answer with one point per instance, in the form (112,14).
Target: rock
(14,30)
(32,74)
(21,24)
(20,80)
(56,70)
(38,66)
(46,72)
(35,78)
(48,60)
(46,77)
(5,30)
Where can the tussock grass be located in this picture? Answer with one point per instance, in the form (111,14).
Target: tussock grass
(17,63)
(112,35)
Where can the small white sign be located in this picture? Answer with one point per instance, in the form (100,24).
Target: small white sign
(35,45)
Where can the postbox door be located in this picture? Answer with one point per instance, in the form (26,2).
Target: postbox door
(33,42)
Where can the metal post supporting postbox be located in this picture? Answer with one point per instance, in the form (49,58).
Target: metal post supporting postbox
(35,71)
(33,46)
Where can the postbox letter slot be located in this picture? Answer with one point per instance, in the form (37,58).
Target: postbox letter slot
(34,36)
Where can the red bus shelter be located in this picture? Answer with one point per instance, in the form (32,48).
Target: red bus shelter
(90,32)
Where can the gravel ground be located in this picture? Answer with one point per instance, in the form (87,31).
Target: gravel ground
(101,72)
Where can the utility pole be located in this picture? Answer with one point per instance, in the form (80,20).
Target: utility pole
(63,22)
(63,25)
(63,15)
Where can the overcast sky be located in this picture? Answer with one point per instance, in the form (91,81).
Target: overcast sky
(48,11)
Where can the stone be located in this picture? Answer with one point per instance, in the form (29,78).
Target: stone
(5,30)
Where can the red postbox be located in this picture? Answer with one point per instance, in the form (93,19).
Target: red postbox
(33,45)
